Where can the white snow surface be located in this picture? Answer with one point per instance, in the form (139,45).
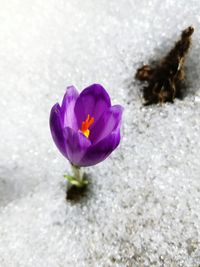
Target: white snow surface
(143,204)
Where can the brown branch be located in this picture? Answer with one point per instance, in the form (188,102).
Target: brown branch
(165,80)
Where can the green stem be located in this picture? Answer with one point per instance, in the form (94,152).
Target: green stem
(78,173)
(77,178)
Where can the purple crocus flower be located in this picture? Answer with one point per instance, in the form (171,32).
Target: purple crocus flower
(86,128)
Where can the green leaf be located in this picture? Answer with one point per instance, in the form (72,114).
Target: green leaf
(72,180)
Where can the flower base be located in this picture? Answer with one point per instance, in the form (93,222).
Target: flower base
(75,182)
(77,179)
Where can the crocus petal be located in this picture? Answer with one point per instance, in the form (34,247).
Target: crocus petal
(67,128)
(57,129)
(67,108)
(100,151)
(76,144)
(93,101)
(109,121)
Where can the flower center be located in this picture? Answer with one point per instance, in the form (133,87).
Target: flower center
(86,124)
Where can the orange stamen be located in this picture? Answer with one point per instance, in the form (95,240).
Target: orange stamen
(86,124)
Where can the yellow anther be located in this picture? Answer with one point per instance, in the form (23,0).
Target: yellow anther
(86,124)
